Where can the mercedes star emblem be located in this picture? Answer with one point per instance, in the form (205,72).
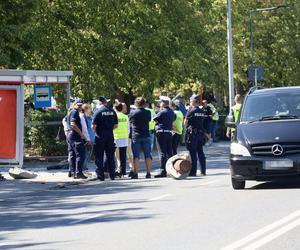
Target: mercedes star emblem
(277,149)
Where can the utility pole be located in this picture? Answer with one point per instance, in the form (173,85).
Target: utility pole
(230,57)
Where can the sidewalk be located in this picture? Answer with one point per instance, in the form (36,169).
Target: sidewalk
(52,179)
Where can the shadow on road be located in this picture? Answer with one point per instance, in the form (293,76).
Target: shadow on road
(277,185)
(60,208)
(25,245)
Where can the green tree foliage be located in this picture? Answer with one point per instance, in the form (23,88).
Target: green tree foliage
(15,16)
(132,47)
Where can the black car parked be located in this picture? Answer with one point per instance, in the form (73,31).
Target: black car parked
(266,142)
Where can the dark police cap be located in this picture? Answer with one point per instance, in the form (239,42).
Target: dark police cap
(103,99)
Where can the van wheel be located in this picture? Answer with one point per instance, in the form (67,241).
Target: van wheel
(238,184)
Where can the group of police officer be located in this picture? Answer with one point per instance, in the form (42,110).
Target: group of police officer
(105,121)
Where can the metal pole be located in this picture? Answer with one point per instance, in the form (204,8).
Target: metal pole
(251,38)
(255,77)
(230,57)
(21,124)
(68,88)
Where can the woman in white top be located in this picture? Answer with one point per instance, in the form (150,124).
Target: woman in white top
(121,135)
(87,139)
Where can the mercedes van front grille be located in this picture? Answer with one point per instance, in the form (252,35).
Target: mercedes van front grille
(268,149)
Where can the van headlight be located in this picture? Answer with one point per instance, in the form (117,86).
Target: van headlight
(238,149)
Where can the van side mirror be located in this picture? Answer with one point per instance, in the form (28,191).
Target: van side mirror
(229,121)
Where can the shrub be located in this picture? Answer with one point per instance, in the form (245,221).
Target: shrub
(41,138)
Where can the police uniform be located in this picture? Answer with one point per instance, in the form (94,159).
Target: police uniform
(195,137)
(76,149)
(105,120)
(164,123)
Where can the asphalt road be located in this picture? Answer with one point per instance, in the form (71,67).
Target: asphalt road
(196,213)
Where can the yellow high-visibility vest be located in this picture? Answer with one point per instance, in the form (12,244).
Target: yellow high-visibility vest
(236,110)
(178,123)
(121,132)
(151,123)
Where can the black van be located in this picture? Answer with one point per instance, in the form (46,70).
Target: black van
(266,142)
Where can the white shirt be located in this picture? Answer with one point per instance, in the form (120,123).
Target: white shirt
(84,127)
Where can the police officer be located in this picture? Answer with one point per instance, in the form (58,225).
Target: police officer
(164,122)
(75,139)
(194,121)
(105,121)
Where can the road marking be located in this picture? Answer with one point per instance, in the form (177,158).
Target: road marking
(273,235)
(262,231)
(208,183)
(85,219)
(159,197)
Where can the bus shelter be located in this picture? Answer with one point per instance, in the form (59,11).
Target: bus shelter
(12,84)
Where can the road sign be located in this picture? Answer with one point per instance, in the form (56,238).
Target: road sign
(42,96)
(256,73)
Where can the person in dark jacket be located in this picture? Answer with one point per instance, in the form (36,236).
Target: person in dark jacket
(75,138)
(164,124)
(195,134)
(139,119)
(104,122)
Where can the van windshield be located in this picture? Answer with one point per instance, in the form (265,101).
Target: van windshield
(271,107)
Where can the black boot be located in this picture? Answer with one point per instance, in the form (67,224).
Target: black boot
(101,177)
(134,176)
(80,176)
(161,175)
(131,173)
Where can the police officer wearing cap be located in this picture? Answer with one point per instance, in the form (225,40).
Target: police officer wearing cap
(164,122)
(75,139)
(195,134)
(105,121)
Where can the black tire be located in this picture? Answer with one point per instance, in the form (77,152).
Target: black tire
(238,184)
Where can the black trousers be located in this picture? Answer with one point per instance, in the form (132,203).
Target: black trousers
(175,142)
(122,155)
(105,143)
(195,147)
(76,154)
(164,140)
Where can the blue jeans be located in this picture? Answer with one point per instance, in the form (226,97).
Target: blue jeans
(141,143)
(213,128)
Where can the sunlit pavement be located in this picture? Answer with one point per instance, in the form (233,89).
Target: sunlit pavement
(196,213)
